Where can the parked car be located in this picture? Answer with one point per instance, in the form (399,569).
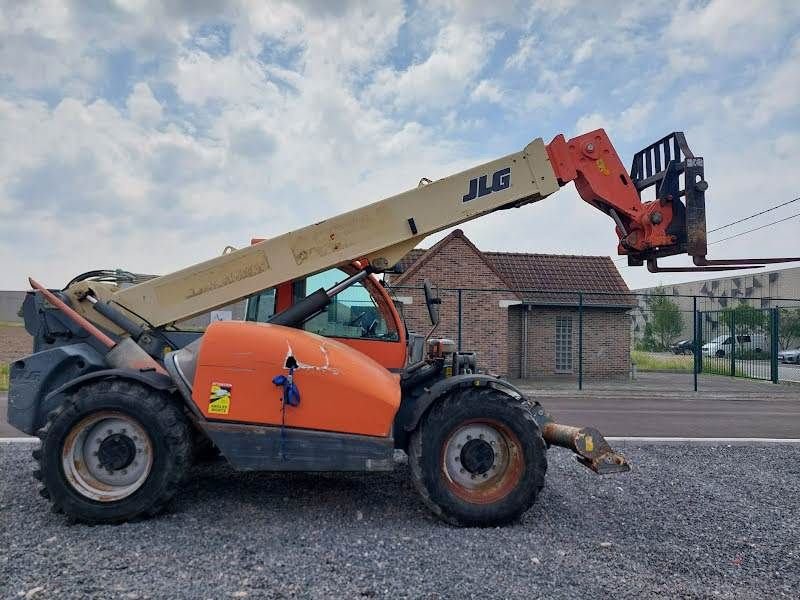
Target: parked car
(682,347)
(791,357)
(722,345)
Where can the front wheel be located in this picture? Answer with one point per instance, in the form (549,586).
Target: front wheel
(115,450)
(478,458)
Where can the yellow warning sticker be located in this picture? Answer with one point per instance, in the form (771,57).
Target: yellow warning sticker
(219,402)
(601,166)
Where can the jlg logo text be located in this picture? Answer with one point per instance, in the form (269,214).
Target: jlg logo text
(478,186)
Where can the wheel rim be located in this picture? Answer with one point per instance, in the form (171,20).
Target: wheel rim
(482,461)
(107,456)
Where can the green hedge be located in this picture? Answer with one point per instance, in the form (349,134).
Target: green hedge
(3,377)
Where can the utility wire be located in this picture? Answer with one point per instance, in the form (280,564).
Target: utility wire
(758,214)
(730,237)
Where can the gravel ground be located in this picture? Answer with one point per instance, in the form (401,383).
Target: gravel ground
(686,522)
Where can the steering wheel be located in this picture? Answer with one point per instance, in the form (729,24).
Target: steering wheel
(356,319)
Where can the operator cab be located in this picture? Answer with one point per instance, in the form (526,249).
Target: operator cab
(362,316)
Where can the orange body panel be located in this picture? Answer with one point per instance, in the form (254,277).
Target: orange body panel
(340,389)
(601,179)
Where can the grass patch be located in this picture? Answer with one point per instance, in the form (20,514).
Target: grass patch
(646,361)
(3,377)
(684,363)
(11,324)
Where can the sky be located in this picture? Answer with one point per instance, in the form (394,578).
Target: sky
(150,135)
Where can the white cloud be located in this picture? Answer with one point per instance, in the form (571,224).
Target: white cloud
(590,122)
(488,91)
(214,123)
(143,106)
(732,29)
(584,51)
(442,78)
(571,96)
(526,47)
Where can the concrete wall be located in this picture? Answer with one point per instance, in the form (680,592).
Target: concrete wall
(10,303)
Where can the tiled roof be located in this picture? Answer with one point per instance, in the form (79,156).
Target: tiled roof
(540,276)
(410,258)
(544,278)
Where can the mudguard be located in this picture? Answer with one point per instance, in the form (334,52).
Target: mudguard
(33,378)
(39,381)
(410,418)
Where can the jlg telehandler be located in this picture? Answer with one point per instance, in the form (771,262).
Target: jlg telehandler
(120,397)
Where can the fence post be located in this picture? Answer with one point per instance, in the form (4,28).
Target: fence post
(459,319)
(774,346)
(695,341)
(580,340)
(733,343)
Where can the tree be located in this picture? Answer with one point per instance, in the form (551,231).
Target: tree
(666,322)
(789,329)
(746,318)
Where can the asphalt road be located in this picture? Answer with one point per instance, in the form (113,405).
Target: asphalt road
(665,405)
(686,522)
(658,404)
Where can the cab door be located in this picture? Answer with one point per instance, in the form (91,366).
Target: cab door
(362,316)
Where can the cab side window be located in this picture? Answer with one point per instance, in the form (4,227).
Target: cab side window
(261,307)
(351,314)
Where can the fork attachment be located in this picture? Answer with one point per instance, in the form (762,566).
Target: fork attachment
(661,166)
(673,223)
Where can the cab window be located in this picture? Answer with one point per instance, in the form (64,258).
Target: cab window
(261,306)
(352,313)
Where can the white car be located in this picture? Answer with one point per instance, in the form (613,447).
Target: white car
(721,345)
(790,356)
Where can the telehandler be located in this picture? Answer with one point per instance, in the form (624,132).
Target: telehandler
(121,398)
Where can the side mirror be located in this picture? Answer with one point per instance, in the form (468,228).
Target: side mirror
(432,302)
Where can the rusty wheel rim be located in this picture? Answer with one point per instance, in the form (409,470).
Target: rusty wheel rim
(482,461)
(107,456)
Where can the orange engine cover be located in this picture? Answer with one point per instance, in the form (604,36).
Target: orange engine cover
(340,388)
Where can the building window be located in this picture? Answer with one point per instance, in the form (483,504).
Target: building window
(563,344)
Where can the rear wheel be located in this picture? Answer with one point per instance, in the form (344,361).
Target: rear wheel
(115,450)
(478,458)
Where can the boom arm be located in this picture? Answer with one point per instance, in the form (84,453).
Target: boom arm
(380,234)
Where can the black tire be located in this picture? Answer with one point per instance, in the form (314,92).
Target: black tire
(509,492)
(203,449)
(167,446)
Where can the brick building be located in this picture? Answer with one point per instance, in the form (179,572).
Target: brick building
(524,321)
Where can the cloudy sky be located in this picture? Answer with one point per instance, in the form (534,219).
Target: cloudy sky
(149,135)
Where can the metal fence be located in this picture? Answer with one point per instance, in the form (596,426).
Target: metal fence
(596,337)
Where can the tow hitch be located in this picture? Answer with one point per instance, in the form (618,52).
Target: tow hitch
(592,449)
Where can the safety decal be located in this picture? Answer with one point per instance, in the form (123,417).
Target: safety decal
(219,402)
(601,166)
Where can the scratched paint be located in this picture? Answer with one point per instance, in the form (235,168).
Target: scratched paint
(324,368)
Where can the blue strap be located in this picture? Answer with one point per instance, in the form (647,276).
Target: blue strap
(291,396)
